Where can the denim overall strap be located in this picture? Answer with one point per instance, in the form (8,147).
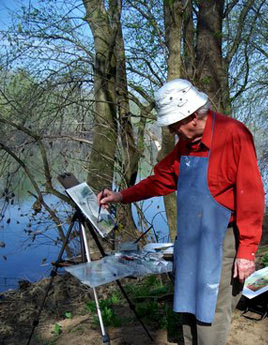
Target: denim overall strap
(201,227)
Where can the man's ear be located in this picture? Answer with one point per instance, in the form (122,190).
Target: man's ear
(194,118)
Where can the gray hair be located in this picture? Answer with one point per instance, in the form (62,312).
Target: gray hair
(202,111)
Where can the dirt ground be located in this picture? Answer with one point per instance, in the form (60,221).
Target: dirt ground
(19,308)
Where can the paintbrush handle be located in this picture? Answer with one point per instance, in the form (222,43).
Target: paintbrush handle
(100,206)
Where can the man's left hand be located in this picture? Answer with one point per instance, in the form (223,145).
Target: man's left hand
(243,268)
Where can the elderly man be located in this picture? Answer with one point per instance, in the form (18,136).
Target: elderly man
(220,204)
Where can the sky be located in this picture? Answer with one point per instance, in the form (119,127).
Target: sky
(9,6)
(6,6)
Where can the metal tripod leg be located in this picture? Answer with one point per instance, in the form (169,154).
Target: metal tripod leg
(53,273)
(105,336)
(131,305)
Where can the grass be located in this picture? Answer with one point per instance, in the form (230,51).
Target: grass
(57,329)
(147,297)
(107,312)
(265,259)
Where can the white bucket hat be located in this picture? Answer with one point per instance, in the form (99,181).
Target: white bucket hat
(176,100)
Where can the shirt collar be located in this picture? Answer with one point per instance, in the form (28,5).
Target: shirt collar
(207,135)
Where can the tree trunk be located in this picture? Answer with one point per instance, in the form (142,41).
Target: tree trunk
(173,21)
(128,165)
(103,24)
(113,117)
(211,70)
(131,155)
(188,43)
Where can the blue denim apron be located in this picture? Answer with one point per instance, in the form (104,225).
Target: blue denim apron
(201,228)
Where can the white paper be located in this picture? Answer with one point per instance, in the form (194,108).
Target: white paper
(256,283)
(164,248)
(87,202)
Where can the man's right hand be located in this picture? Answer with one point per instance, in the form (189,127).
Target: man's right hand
(107,196)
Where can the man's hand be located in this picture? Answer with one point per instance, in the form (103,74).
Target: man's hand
(243,268)
(107,196)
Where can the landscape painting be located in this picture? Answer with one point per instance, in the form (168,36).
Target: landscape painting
(87,202)
(256,284)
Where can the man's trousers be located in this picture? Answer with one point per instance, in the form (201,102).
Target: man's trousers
(197,333)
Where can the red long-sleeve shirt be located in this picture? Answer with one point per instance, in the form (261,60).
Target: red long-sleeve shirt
(233,177)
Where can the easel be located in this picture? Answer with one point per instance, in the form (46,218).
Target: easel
(68,181)
(258,306)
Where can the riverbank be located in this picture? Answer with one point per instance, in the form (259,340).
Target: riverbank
(67,318)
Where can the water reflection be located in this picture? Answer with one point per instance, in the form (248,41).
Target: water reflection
(29,249)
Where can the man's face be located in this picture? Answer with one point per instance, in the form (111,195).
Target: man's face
(185,129)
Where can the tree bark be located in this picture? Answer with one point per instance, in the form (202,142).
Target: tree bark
(173,11)
(188,43)
(211,70)
(128,165)
(104,27)
(131,155)
(113,116)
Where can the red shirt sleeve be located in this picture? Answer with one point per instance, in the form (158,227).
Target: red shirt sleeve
(234,180)
(249,194)
(164,180)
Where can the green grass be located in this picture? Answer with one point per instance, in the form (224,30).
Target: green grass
(107,312)
(57,329)
(144,294)
(265,259)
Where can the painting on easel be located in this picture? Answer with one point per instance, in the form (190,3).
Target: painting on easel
(87,202)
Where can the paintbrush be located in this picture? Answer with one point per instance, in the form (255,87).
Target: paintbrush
(98,219)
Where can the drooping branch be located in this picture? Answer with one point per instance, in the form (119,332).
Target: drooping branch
(39,193)
(229,8)
(37,138)
(247,43)
(242,22)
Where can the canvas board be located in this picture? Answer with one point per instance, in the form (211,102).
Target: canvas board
(86,200)
(256,283)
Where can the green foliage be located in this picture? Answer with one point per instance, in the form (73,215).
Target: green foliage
(68,315)
(206,80)
(150,308)
(108,314)
(78,330)
(150,286)
(112,300)
(110,318)
(265,259)
(172,322)
(57,329)
(91,307)
(144,295)
(50,342)
(115,298)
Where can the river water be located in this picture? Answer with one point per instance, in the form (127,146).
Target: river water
(21,258)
